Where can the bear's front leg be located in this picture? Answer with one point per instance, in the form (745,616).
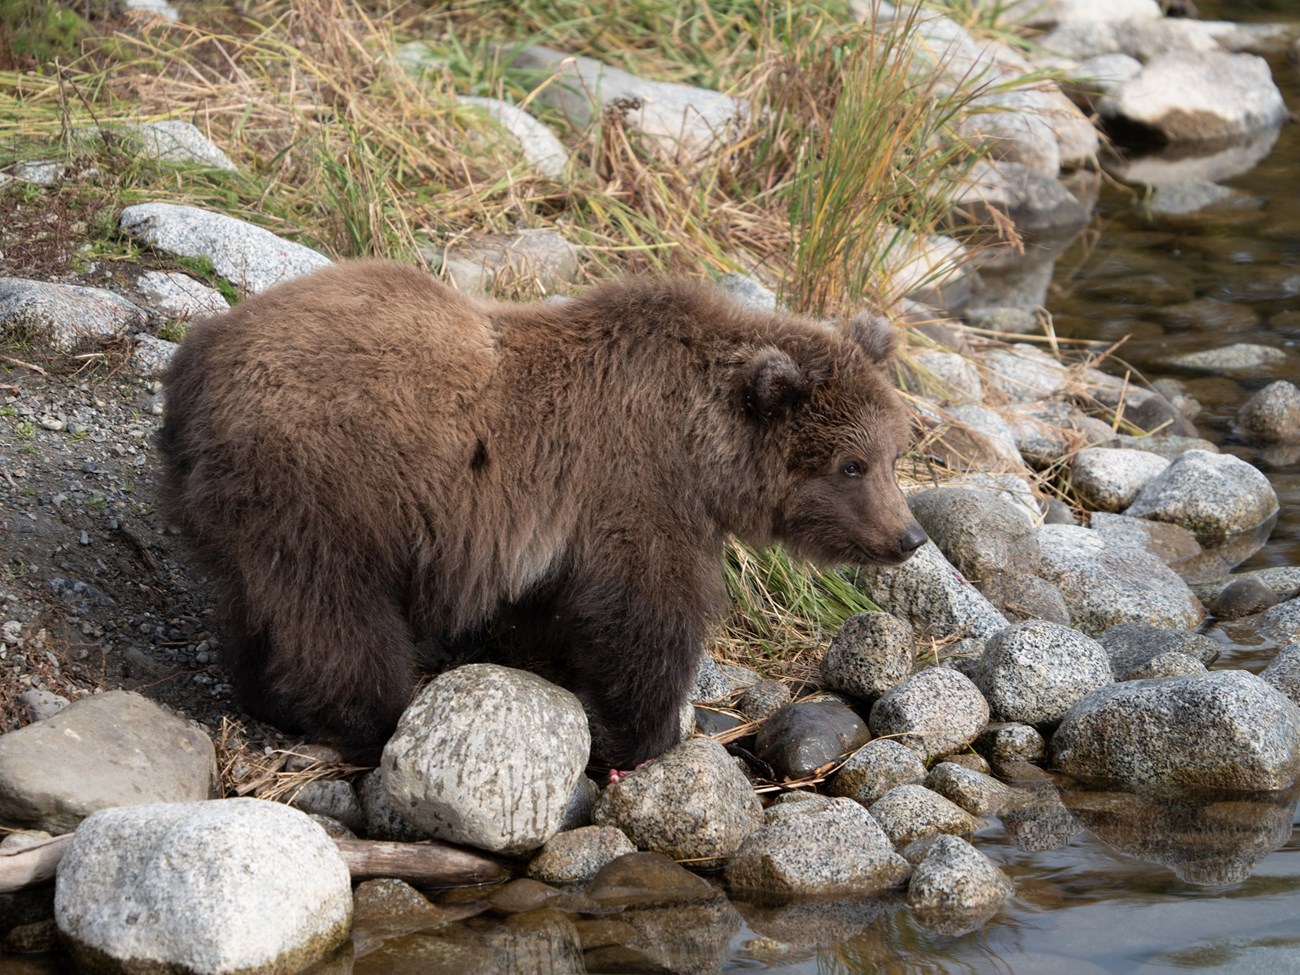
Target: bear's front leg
(630,651)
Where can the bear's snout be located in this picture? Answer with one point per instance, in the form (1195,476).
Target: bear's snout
(912,539)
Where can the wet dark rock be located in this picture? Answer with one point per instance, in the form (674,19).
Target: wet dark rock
(710,721)
(935,711)
(1155,413)
(693,803)
(807,735)
(1243,598)
(382,820)
(1131,645)
(525,894)
(870,654)
(875,768)
(647,878)
(1224,731)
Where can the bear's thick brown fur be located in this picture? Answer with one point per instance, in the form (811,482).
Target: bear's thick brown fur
(365,459)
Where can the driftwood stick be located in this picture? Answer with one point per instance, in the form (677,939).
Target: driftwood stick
(32,866)
(431,864)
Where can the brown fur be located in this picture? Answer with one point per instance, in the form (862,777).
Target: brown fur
(365,459)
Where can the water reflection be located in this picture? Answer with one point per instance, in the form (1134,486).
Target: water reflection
(1207,842)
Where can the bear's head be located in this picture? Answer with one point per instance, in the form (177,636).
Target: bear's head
(842,428)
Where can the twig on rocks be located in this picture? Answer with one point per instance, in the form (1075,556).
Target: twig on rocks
(23,365)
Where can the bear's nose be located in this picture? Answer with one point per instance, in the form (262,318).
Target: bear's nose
(912,539)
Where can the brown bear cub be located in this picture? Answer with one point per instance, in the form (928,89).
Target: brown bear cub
(366,459)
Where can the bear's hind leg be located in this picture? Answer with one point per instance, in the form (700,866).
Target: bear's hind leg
(338,669)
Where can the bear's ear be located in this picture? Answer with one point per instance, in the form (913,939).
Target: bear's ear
(773,384)
(875,334)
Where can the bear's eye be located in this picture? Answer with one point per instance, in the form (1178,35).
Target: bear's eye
(851,469)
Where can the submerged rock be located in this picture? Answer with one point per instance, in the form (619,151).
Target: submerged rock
(1224,731)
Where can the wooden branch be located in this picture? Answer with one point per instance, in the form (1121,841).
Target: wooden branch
(430,864)
(32,866)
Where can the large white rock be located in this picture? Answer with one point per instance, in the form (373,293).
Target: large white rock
(487,756)
(678,119)
(210,888)
(245,255)
(112,749)
(1224,731)
(64,317)
(1196,96)
(539,145)
(1213,495)
(1106,583)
